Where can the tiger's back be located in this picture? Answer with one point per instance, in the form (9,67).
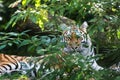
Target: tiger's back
(10,58)
(10,63)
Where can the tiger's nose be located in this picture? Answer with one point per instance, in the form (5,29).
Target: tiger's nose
(76,47)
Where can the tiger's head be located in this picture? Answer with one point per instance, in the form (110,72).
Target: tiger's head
(77,39)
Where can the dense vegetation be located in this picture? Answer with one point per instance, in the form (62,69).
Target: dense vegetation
(32,27)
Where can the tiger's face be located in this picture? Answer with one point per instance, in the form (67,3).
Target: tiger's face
(76,39)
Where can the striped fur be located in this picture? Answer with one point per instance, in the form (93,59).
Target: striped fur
(11,63)
(76,39)
(8,64)
(115,67)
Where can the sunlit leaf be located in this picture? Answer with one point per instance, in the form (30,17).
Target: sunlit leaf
(37,3)
(24,2)
(118,34)
(41,51)
(10,44)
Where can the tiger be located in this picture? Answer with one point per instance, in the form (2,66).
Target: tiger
(10,63)
(76,40)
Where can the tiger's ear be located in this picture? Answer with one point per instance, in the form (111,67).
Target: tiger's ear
(84,26)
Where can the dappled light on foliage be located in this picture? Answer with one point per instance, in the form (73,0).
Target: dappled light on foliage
(35,28)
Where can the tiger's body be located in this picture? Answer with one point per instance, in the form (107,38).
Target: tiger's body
(10,63)
(79,41)
(76,39)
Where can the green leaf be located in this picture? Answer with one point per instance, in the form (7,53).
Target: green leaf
(25,42)
(24,2)
(117,78)
(31,48)
(2,47)
(10,44)
(16,42)
(13,34)
(41,51)
(93,20)
(37,3)
(10,22)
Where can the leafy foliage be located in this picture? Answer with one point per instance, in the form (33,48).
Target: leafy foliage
(103,17)
(34,44)
(36,13)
